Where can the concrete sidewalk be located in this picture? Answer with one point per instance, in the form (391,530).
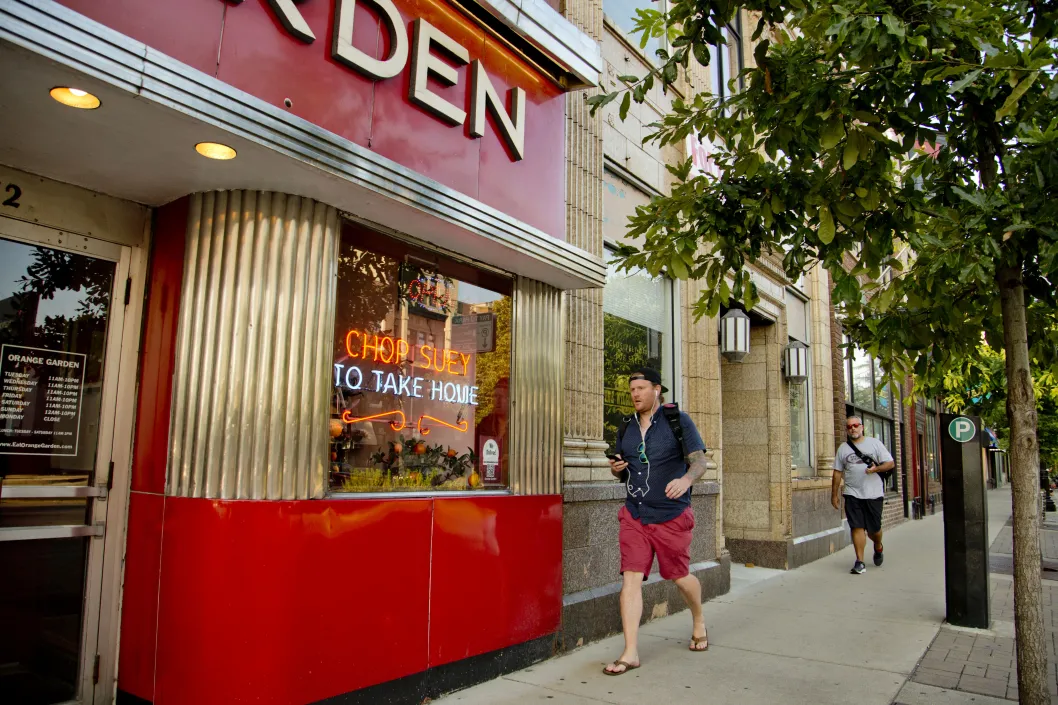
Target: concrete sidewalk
(814,635)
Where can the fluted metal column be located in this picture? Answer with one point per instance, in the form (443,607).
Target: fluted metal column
(250,389)
(537,389)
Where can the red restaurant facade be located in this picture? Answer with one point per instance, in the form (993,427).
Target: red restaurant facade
(281,301)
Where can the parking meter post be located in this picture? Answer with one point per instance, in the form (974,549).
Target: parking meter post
(965,522)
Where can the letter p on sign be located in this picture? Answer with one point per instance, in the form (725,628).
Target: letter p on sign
(962,429)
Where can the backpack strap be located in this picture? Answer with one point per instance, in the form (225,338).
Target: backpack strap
(671,411)
(621,431)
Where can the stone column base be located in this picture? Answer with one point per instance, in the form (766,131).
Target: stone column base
(789,553)
(594,614)
(584,460)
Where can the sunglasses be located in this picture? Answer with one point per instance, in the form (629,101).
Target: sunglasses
(853,425)
(643,452)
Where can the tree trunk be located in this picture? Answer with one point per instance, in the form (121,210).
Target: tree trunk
(1025,480)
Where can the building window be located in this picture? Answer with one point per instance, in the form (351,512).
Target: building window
(800,428)
(623,14)
(422,359)
(727,63)
(932,455)
(797,326)
(637,331)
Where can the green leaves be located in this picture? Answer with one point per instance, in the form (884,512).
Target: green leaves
(1011,102)
(677,267)
(826,226)
(856,147)
(817,159)
(832,133)
(965,81)
(895,27)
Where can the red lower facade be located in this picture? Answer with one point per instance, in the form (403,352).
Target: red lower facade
(294,602)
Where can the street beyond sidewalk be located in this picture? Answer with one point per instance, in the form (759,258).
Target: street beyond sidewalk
(814,635)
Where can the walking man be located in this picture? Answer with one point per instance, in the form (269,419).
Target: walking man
(659,456)
(859,462)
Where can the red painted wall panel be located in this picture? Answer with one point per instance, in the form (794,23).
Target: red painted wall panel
(502,183)
(497,574)
(259,57)
(165,279)
(290,602)
(245,45)
(410,135)
(188,30)
(139,609)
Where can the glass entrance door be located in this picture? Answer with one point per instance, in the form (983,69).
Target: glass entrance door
(55,328)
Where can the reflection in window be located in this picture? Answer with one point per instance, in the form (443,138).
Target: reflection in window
(727,64)
(420,383)
(637,331)
(862,380)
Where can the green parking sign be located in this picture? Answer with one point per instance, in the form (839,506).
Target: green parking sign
(962,429)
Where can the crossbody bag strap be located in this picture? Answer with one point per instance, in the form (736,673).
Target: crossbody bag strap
(866,460)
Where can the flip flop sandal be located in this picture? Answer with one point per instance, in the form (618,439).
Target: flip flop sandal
(695,640)
(628,667)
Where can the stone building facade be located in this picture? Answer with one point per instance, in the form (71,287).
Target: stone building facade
(766,501)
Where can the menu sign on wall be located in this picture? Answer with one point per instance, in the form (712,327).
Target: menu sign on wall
(40,400)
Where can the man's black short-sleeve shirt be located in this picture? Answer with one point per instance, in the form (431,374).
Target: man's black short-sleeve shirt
(646,482)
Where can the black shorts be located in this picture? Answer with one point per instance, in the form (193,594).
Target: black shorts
(864,513)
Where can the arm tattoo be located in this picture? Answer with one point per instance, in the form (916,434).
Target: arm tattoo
(698,465)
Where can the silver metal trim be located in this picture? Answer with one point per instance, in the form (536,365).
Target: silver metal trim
(32,533)
(62,35)
(250,400)
(562,41)
(418,495)
(538,386)
(52,492)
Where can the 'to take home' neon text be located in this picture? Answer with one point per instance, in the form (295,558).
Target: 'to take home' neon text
(353,378)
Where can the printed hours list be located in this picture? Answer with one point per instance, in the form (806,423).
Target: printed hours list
(40,400)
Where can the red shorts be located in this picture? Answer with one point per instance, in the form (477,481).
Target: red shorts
(670,540)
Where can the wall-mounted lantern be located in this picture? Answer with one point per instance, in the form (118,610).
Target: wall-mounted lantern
(795,361)
(734,335)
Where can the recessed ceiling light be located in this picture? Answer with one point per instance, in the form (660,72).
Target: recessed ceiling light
(75,98)
(215,150)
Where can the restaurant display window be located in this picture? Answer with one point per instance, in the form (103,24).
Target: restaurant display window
(422,356)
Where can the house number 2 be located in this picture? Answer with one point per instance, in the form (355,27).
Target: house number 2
(11,200)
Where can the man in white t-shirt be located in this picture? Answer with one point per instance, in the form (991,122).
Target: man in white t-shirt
(858,462)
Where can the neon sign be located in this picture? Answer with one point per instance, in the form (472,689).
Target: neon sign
(397,425)
(352,377)
(462,426)
(386,349)
(347,417)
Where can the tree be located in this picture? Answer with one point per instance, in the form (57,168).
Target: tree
(978,386)
(867,126)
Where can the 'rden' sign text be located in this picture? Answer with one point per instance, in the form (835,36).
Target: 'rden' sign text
(424,64)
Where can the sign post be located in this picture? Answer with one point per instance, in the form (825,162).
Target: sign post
(965,522)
